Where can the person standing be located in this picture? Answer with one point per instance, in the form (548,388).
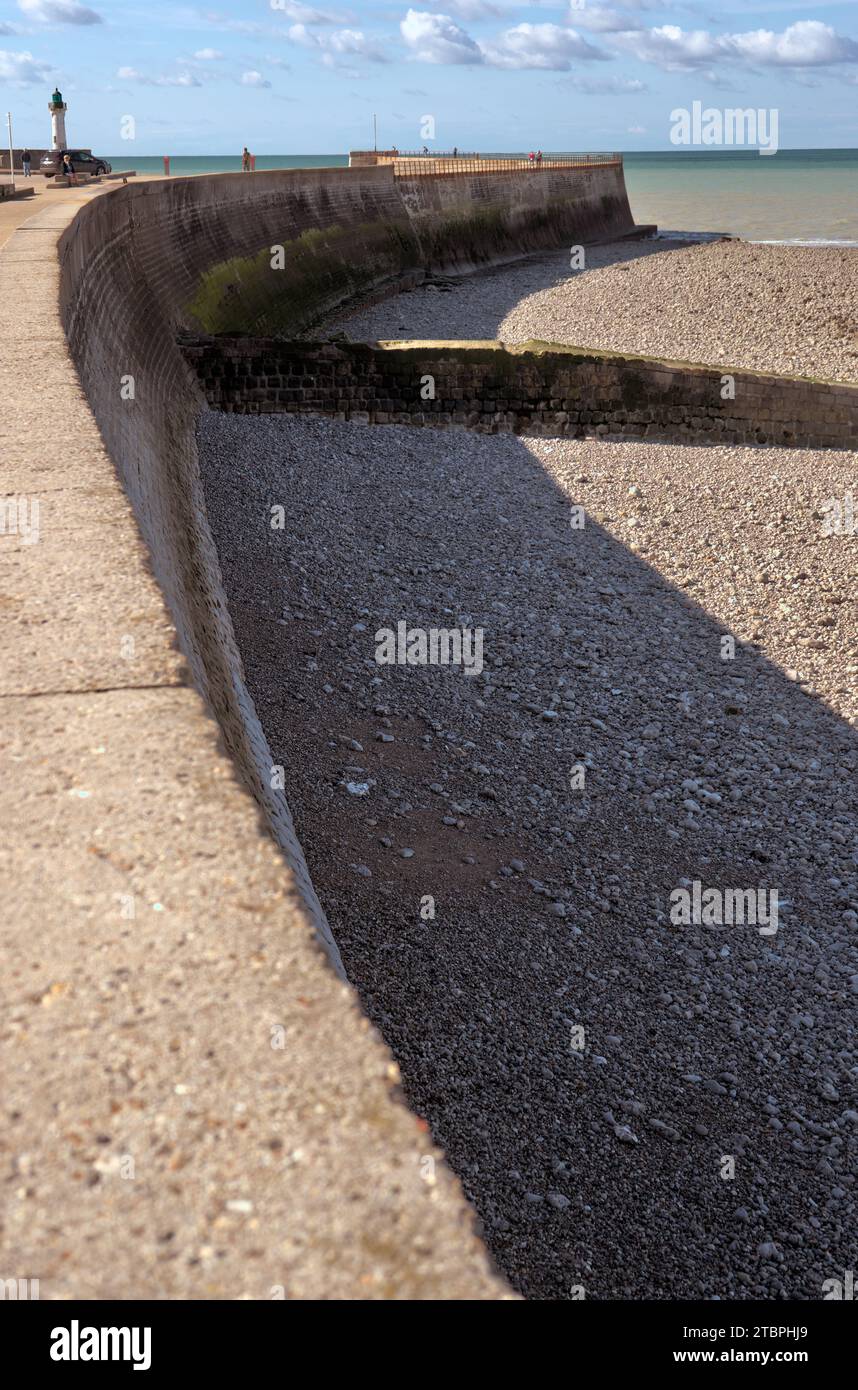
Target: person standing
(25,163)
(539,156)
(245,160)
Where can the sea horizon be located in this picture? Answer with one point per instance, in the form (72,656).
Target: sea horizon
(804,196)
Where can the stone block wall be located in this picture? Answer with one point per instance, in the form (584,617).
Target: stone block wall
(535,388)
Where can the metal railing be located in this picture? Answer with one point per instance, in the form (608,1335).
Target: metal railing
(406,166)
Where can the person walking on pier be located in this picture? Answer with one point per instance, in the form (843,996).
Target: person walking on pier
(25,163)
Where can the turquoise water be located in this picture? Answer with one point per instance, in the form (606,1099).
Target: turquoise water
(794,195)
(184,164)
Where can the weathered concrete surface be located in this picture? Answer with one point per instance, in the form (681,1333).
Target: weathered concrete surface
(275,249)
(279,249)
(14,211)
(157,1144)
(471,218)
(129,265)
(194,1106)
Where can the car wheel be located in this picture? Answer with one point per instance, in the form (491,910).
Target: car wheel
(100,169)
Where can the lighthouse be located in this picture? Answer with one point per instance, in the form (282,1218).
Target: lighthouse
(58,108)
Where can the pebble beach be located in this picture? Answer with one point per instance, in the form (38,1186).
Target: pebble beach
(789,309)
(597,1166)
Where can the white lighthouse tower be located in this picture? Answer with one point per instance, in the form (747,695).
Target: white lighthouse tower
(58,108)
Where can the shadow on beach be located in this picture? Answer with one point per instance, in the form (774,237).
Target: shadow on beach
(455,306)
(601,1167)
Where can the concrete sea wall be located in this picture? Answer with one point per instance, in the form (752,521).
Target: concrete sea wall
(130,264)
(536,387)
(196,1106)
(466,219)
(266,253)
(312,1138)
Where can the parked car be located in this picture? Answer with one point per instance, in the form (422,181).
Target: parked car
(82,162)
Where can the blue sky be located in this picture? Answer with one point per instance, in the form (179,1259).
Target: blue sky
(296,78)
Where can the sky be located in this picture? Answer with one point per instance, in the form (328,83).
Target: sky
(285,77)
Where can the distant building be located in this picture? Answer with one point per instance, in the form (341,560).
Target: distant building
(58,108)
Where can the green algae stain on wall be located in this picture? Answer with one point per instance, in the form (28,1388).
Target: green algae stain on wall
(493,232)
(272,292)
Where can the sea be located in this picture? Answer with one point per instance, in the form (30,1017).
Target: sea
(798,196)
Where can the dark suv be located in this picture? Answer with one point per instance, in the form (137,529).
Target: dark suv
(83,162)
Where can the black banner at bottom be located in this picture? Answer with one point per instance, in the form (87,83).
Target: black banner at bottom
(164,1338)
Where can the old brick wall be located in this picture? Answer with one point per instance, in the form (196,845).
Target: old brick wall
(539,388)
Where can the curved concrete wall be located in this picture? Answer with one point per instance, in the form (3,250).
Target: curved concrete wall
(466,219)
(347,1214)
(130,262)
(194,1104)
(151,259)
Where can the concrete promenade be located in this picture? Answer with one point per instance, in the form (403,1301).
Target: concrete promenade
(193,1104)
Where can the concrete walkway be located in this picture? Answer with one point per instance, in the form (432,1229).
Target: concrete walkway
(193,1103)
(15,211)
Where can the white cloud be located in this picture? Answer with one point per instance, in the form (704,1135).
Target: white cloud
(474,9)
(304,14)
(234,26)
(671,48)
(338,46)
(207,55)
(59,12)
(436,38)
(354,43)
(619,86)
(252,78)
(603,19)
(808,43)
(539,46)
(22,69)
(179,79)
